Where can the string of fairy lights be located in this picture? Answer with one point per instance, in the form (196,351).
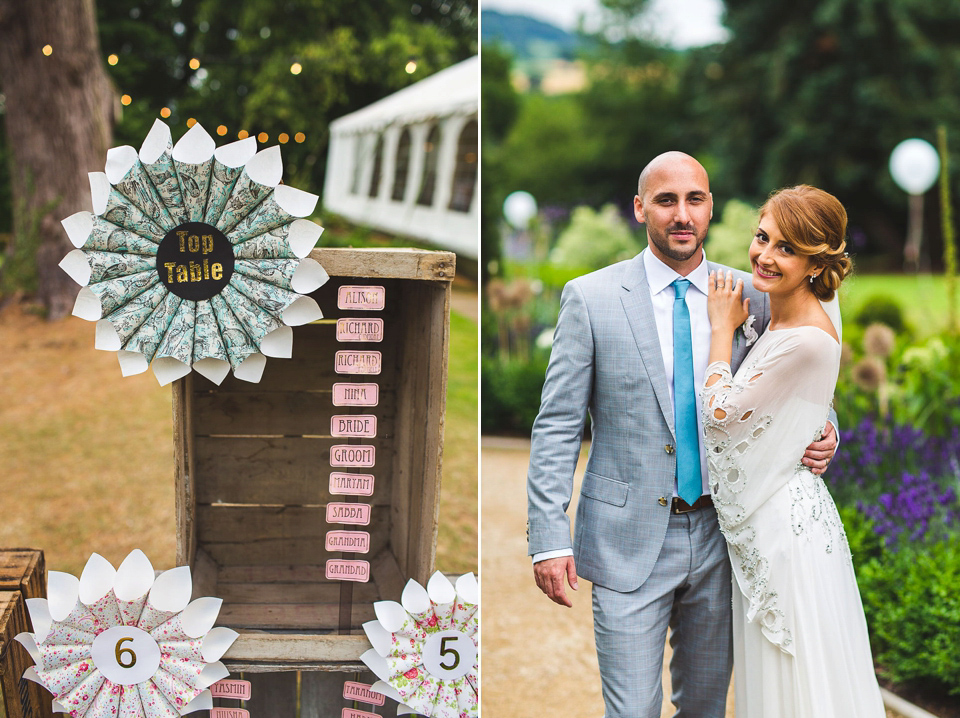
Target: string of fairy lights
(283,138)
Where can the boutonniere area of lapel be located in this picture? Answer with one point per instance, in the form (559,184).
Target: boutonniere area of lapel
(746,331)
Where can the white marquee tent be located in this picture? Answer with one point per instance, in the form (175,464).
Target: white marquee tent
(407,164)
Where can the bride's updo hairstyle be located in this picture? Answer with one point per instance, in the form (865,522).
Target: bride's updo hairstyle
(815,224)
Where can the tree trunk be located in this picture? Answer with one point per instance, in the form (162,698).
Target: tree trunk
(59,119)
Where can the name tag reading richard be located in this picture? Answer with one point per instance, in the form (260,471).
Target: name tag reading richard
(359,330)
(354,514)
(341,570)
(362,425)
(348,541)
(346,455)
(351,484)
(356,394)
(351,297)
(348,362)
(362,692)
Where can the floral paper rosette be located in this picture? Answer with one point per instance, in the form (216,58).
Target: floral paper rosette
(194,256)
(425,648)
(120,643)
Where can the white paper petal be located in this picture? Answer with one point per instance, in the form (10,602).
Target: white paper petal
(172,589)
(63,590)
(31,675)
(212,673)
(135,576)
(119,162)
(278,343)
(251,368)
(97,579)
(376,663)
(132,363)
(282,207)
(390,692)
(303,311)
(266,167)
(78,227)
(75,265)
(87,305)
(156,142)
(309,277)
(202,702)
(58,707)
(440,589)
(215,370)
(168,370)
(199,617)
(378,636)
(28,642)
(415,598)
(99,191)
(39,610)
(391,615)
(195,147)
(217,642)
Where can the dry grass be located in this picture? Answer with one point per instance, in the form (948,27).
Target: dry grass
(86,456)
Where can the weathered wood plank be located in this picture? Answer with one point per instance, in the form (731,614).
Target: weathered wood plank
(248,535)
(383,263)
(257,646)
(288,616)
(387,576)
(24,570)
(290,471)
(303,593)
(273,694)
(184,473)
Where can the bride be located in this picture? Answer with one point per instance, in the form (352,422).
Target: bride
(800,639)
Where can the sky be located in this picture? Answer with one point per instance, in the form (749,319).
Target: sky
(681,23)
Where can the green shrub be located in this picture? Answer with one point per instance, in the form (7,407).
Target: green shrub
(911,599)
(728,241)
(884,309)
(511,395)
(594,240)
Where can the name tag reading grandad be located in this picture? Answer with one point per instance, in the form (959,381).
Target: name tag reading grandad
(340,570)
(362,425)
(356,394)
(351,297)
(348,362)
(348,541)
(359,330)
(346,455)
(354,514)
(354,691)
(351,484)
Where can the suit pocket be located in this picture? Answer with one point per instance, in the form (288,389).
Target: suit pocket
(609,491)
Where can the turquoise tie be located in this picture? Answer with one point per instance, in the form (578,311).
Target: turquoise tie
(689,485)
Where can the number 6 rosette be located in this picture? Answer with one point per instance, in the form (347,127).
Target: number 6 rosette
(120,643)
(194,257)
(425,648)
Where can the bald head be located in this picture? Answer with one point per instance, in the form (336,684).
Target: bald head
(668,161)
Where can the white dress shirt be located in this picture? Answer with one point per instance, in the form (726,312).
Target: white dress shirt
(659,279)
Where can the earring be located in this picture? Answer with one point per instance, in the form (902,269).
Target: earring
(812,277)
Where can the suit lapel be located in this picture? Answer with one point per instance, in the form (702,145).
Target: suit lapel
(638,306)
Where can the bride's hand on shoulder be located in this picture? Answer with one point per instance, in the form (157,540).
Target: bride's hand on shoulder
(726,306)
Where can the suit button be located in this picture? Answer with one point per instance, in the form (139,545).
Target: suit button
(668,448)
(663,500)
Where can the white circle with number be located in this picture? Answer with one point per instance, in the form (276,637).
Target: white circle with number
(125,655)
(449,654)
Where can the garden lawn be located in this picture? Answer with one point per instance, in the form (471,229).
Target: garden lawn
(86,456)
(923,298)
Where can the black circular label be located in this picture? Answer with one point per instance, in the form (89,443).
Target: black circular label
(195,261)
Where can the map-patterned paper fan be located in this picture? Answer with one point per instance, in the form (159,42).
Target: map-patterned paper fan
(425,648)
(121,643)
(194,256)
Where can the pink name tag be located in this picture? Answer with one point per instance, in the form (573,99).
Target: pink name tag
(348,362)
(354,691)
(340,570)
(351,484)
(356,394)
(354,713)
(346,455)
(229,713)
(363,425)
(338,513)
(359,330)
(238,690)
(349,541)
(351,297)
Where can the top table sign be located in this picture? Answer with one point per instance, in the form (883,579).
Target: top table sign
(361,297)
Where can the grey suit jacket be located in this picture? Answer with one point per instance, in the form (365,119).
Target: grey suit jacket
(606,359)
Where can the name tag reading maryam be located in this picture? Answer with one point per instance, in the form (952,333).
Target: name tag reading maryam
(351,484)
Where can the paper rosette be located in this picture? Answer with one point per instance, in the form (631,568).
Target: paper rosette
(194,256)
(425,648)
(122,643)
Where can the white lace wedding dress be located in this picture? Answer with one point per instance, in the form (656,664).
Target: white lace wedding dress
(800,639)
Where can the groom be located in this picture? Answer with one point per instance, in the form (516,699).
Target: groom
(631,348)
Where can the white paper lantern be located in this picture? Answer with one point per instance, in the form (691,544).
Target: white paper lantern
(914,165)
(519,208)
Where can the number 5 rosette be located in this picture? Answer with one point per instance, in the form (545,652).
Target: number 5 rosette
(425,648)
(120,643)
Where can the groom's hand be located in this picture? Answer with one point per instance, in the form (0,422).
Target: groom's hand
(820,453)
(550,574)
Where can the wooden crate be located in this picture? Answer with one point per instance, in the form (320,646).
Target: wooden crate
(252,468)
(22,576)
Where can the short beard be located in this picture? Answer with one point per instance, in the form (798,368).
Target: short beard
(663,244)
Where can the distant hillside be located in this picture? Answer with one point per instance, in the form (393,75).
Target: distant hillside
(527,38)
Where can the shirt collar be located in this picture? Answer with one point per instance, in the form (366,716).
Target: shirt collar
(660,276)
